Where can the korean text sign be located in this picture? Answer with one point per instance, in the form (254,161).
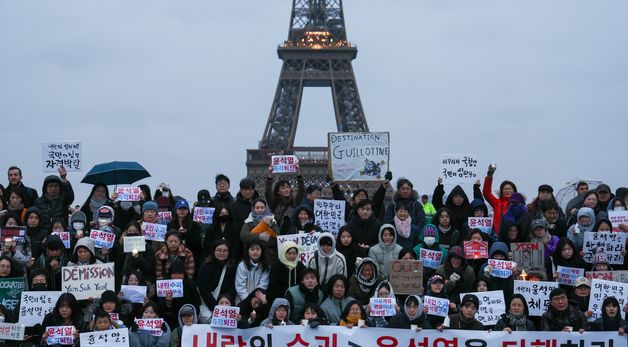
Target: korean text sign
(329,215)
(459,168)
(58,153)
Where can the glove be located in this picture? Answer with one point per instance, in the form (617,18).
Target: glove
(454,277)
(264,236)
(487,270)
(388,176)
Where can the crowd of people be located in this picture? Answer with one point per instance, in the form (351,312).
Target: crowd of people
(235,260)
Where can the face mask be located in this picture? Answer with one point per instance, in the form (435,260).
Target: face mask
(39,287)
(429,240)
(516,210)
(103,221)
(619,208)
(126,205)
(165,194)
(78,225)
(224,218)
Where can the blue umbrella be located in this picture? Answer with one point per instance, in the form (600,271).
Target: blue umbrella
(116,172)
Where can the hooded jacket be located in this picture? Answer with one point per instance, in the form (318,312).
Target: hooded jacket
(415,209)
(89,211)
(77,216)
(88,244)
(459,213)
(381,322)
(453,289)
(283,207)
(504,284)
(271,313)
(383,252)
(328,264)
(295,226)
(403,320)
(53,277)
(38,233)
(361,288)
(177,334)
(606,323)
(576,232)
(435,247)
(285,273)
(57,206)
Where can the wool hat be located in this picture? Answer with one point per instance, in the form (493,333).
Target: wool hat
(429,230)
(54,242)
(186,310)
(546,188)
(150,205)
(538,223)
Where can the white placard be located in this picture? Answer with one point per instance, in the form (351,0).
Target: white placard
(34,306)
(106,338)
(536,294)
(483,223)
(129,194)
(611,244)
(88,281)
(382,307)
(154,231)
(204,215)
(102,239)
(359,156)
(329,215)
(459,168)
(225,317)
(57,153)
(284,163)
(60,335)
(152,325)
(501,268)
(164,217)
(13,332)
(436,306)
(492,306)
(431,258)
(568,275)
(174,287)
(134,294)
(600,290)
(308,244)
(617,218)
(137,243)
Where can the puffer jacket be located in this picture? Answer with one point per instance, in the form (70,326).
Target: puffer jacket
(54,207)
(271,314)
(143,338)
(553,320)
(383,252)
(328,264)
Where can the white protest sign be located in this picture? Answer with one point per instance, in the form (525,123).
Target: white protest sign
(485,224)
(329,215)
(358,156)
(174,287)
(154,231)
(459,168)
(13,332)
(204,215)
(501,268)
(34,306)
(88,281)
(492,306)
(64,236)
(225,317)
(283,163)
(134,243)
(536,294)
(617,218)
(164,217)
(57,153)
(382,307)
(134,294)
(568,275)
(610,244)
(308,244)
(102,239)
(600,290)
(436,306)
(431,258)
(106,338)
(129,193)
(60,335)
(152,325)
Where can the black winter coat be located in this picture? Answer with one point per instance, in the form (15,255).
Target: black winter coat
(364,231)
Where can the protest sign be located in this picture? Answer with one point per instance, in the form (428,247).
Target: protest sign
(174,287)
(382,307)
(60,335)
(64,236)
(358,156)
(528,254)
(501,268)
(308,244)
(102,239)
(152,325)
(436,306)
(15,234)
(485,224)
(617,276)
(225,317)
(164,217)
(459,168)
(600,290)
(134,294)
(10,290)
(154,232)
(204,215)
(329,215)
(536,294)
(88,281)
(406,276)
(106,338)
(57,153)
(10,331)
(203,335)
(134,243)
(129,194)
(568,275)
(283,163)
(34,306)
(476,250)
(617,218)
(492,306)
(611,244)
(431,258)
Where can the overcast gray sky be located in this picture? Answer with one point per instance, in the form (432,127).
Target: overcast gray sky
(539,87)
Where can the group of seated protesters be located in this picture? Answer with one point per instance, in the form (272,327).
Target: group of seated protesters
(236,261)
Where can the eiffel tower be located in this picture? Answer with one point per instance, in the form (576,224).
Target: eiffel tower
(316,54)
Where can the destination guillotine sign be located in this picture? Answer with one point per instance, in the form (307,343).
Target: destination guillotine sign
(358,156)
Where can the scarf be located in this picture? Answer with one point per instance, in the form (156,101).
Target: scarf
(403,226)
(517,322)
(351,318)
(258,217)
(546,237)
(444,230)
(95,204)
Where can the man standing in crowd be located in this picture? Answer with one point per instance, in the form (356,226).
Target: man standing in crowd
(15,181)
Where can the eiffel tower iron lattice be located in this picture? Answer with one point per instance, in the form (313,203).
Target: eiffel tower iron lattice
(316,54)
